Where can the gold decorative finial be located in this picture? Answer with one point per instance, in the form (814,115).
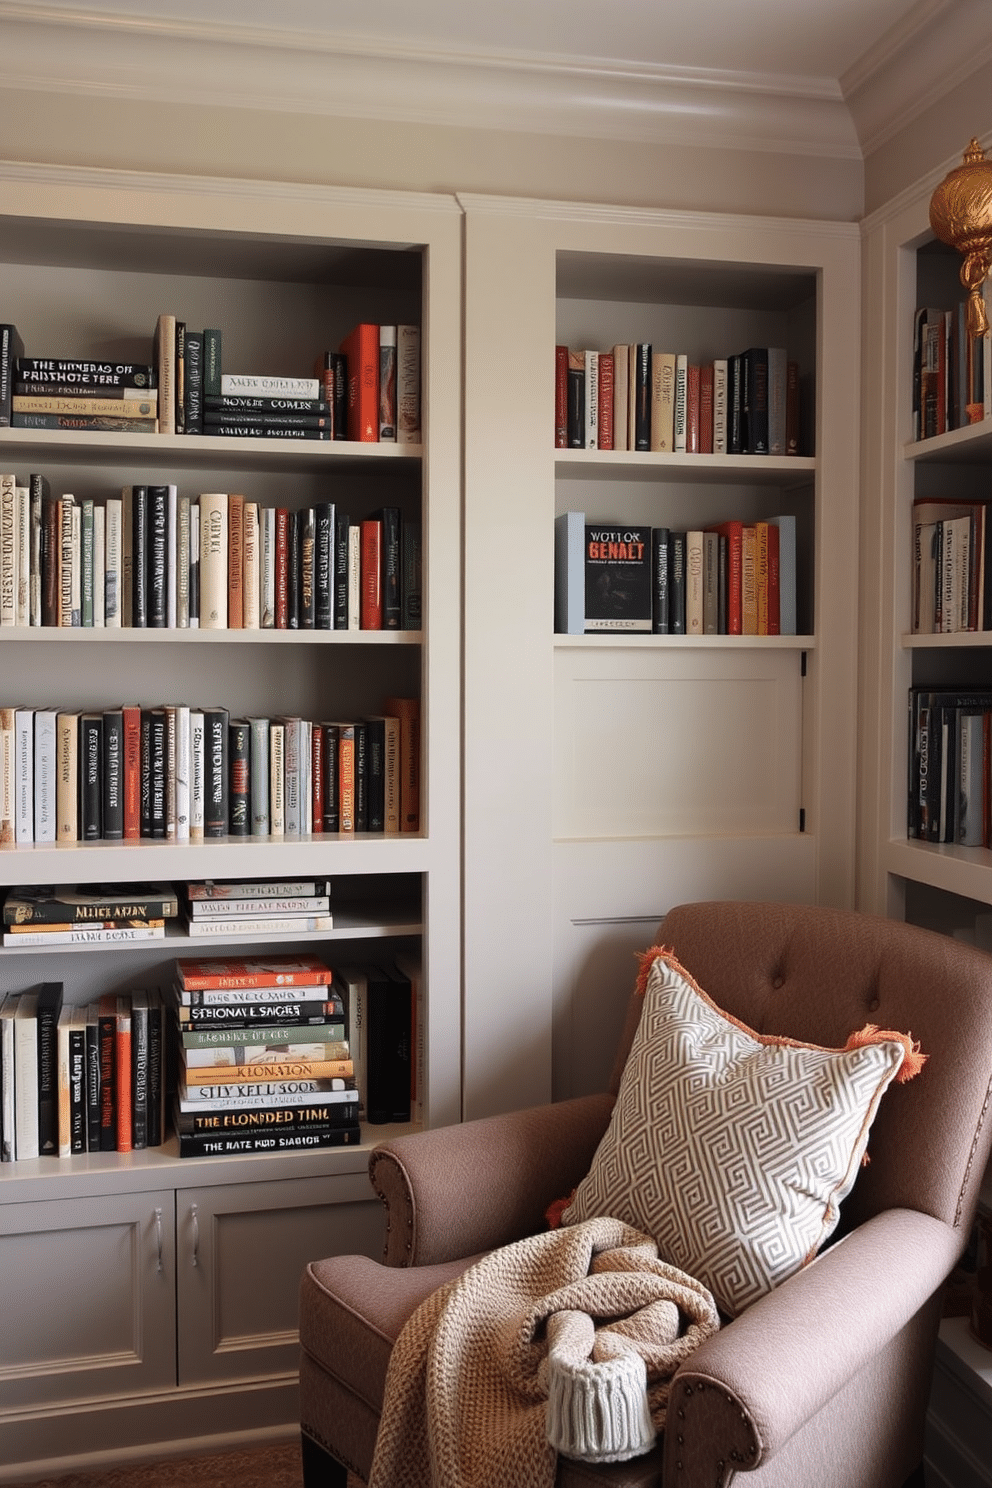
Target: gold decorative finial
(961,215)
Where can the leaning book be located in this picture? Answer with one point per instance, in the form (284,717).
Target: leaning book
(617,561)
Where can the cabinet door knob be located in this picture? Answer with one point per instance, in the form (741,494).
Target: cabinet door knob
(194,1215)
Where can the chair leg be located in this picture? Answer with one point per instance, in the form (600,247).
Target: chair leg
(320,1469)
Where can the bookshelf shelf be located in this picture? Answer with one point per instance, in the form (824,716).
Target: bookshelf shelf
(970,445)
(623,465)
(88,261)
(616,641)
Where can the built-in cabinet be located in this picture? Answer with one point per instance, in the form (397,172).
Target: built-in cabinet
(148,1299)
(610,777)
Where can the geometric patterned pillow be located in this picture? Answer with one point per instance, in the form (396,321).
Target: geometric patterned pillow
(733,1150)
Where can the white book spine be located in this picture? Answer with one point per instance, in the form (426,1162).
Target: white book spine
(234,384)
(24,775)
(274,925)
(194,565)
(277,780)
(387,384)
(76,572)
(86,563)
(34,590)
(26,1077)
(267,568)
(171,556)
(7,1107)
(62,1036)
(23,516)
(592,400)
(621,392)
(183,772)
(112,563)
(85,937)
(44,775)
(354,576)
(65,559)
(8,550)
(182,562)
(292,786)
(251,619)
(196,775)
(260,781)
(99,566)
(213,561)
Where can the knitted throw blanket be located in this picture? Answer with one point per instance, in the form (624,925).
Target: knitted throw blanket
(564,1341)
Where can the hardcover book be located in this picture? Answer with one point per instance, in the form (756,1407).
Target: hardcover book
(618,584)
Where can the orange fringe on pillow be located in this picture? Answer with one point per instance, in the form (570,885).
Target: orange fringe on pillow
(555,1210)
(645,961)
(913,1059)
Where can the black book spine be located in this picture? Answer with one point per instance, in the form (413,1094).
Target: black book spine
(90,749)
(375,774)
(660,607)
(156,1072)
(239,788)
(108,1080)
(332,814)
(641,393)
(293,575)
(391,584)
(158,557)
(179,391)
(755,422)
(113,775)
(145,798)
(49,1007)
(11,347)
(412,575)
(342,527)
(193,389)
(389,1037)
(339,406)
(323,566)
(361,778)
(676,584)
(212,345)
(92,1086)
(157,753)
(735,405)
(139,556)
(576,410)
(306,521)
(215,808)
(139,1077)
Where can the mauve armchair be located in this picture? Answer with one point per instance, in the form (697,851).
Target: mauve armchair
(823,1382)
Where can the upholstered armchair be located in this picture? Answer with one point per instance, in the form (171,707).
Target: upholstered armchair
(823,1381)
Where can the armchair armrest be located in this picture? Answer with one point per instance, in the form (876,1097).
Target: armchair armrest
(750,1387)
(462,1189)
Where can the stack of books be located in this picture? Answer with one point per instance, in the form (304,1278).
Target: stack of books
(71,393)
(81,1079)
(87,914)
(262,1057)
(257,907)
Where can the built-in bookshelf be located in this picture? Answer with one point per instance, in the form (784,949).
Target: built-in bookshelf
(659,767)
(88,261)
(939,883)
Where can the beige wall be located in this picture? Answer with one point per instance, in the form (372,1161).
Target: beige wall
(933,142)
(230,142)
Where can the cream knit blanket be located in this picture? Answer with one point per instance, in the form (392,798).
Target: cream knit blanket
(587,1314)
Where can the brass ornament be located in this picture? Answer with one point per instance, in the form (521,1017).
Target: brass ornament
(961,215)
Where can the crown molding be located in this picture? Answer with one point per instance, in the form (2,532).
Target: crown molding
(77,53)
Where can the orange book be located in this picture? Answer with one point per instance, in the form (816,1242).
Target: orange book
(122,1073)
(288,1069)
(131,771)
(749,582)
(361,348)
(316,779)
(235,562)
(706,409)
(255,972)
(370,607)
(407,710)
(692,409)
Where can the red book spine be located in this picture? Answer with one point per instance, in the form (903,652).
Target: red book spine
(317,778)
(235,561)
(734,533)
(706,409)
(692,389)
(561,397)
(370,609)
(282,568)
(131,721)
(122,1074)
(361,348)
(606,386)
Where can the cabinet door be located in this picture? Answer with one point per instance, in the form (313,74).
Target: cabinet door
(88,1299)
(242,1249)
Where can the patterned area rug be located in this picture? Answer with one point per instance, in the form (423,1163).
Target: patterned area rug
(255,1467)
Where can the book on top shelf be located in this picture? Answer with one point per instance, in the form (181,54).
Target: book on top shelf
(361,348)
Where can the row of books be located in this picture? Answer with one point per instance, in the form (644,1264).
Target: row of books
(283,1052)
(735,578)
(952,371)
(950,765)
(71,914)
(367,390)
(81,1079)
(155,558)
(634,397)
(950,557)
(182,774)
